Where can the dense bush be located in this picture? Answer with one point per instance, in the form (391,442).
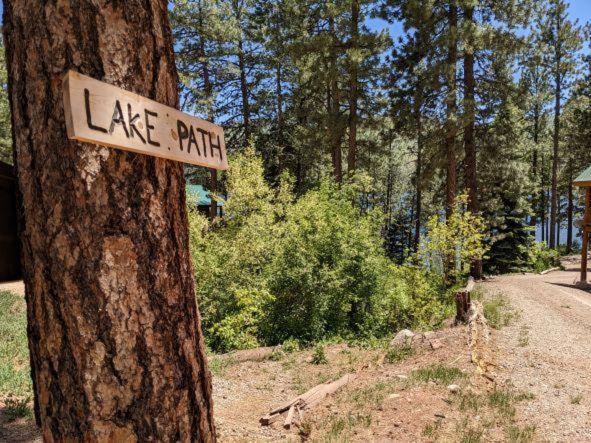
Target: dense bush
(278,268)
(541,257)
(450,246)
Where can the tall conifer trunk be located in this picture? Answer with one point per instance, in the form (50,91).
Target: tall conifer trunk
(569,214)
(536,199)
(334,105)
(469,123)
(244,93)
(451,108)
(353,90)
(208,89)
(114,332)
(555,135)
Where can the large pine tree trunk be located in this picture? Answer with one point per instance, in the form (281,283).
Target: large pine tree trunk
(536,200)
(556,136)
(334,104)
(208,89)
(353,90)
(554,185)
(244,93)
(470,119)
(114,331)
(451,109)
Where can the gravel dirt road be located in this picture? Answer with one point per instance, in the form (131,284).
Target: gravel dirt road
(546,350)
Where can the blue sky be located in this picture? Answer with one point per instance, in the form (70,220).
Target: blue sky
(580,9)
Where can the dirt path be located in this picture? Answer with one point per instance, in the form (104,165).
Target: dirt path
(546,350)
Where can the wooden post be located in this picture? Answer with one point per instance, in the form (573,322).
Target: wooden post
(585,236)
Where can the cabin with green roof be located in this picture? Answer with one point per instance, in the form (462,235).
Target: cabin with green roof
(583,180)
(200,197)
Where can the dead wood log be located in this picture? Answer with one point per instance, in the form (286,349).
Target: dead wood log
(479,340)
(257,354)
(289,418)
(305,401)
(550,270)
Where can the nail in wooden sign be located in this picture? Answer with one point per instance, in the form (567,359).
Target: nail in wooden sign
(104,114)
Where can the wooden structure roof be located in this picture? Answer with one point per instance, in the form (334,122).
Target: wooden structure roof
(199,195)
(584,178)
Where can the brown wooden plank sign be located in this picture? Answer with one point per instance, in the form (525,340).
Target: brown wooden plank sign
(100,113)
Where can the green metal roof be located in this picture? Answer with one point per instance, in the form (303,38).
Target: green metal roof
(200,195)
(584,178)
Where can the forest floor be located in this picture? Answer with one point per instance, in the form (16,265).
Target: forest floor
(539,388)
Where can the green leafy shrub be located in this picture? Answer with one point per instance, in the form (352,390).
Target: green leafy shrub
(311,268)
(541,257)
(452,244)
(318,355)
(290,346)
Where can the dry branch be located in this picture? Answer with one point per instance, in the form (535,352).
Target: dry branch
(257,354)
(305,401)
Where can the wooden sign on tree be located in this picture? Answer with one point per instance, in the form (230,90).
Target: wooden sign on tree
(104,114)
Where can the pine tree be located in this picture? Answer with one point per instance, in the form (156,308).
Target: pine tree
(535,83)
(562,37)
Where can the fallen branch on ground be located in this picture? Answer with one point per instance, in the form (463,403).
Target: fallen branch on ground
(305,402)
(557,268)
(256,354)
(479,341)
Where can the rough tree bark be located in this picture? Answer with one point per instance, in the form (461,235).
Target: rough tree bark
(114,331)
(353,90)
(244,93)
(470,120)
(536,199)
(556,135)
(208,89)
(569,213)
(451,108)
(334,105)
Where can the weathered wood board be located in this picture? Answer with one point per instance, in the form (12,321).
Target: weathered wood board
(104,114)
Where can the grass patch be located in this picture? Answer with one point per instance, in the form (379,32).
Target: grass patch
(218,365)
(371,395)
(15,378)
(523,340)
(468,401)
(576,399)
(503,400)
(471,435)
(17,408)
(497,312)
(438,373)
(431,429)
(517,434)
(468,433)
(397,354)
